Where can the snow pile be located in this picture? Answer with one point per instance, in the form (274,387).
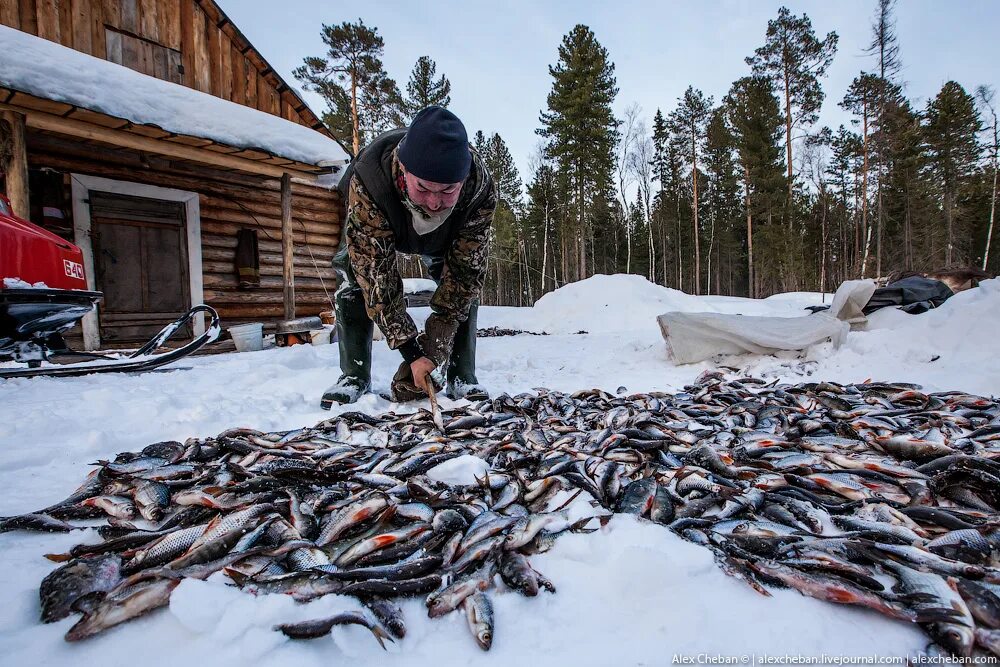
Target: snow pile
(951,347)
(17,283)
(416,285)
(51,71)
(624,302)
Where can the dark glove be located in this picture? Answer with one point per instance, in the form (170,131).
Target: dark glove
(404,389)
(438,338)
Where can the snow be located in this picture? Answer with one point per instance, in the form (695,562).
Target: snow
(462,470)
(52,71)
(416,285)
(631,593)
(17,283)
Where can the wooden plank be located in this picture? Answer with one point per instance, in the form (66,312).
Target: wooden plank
(225,67)
(113,41)
(149,131)
(113,13)
(188,140)
(88,116)
(161,65)
(130,52)
(238,73)
(251,83)
(82,18)
(148,20)
(129,16)
(48,19)
(65,18)
(29,19)
(187,41)
(39,103)
(214,58)
(174,66)
(202,75)
(9,14)
(98,48)
(287,247)
(169,14)
(12,126)
(125,139)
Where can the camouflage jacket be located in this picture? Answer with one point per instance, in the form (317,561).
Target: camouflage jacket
(371,246)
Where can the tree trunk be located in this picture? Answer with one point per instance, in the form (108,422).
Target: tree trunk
(15,163)
(752,293)
(993,206)
(949,215)
(866,232)
(788,143)
(355,133)
(694,178)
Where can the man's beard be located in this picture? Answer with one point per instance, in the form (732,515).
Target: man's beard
(424,223)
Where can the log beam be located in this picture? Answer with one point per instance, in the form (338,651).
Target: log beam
(287,246)
(15,162)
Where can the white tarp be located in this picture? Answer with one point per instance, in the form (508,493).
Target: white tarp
(693,337)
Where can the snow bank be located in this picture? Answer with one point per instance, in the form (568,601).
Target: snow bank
(51,71)
(954,346)
(464,470)
(625,302)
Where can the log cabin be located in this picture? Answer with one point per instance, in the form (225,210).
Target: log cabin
(153,135)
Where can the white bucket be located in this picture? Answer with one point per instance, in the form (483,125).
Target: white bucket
(248,337)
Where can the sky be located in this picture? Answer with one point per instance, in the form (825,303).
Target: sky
(497,54)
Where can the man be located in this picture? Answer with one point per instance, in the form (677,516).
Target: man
(420,190)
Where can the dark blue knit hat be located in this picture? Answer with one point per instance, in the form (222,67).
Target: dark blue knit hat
(436,147)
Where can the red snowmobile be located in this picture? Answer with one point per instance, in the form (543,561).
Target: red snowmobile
(33,319)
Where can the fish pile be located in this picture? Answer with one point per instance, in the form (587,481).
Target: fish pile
(874,494)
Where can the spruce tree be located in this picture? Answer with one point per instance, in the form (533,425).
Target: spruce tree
(723,185)
(952,127)
(795,60)
(755,118)
(423,89)
(688,123)
(582,132)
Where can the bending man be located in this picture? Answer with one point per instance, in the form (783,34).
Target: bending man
(420,190)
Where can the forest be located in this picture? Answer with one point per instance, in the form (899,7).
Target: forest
(744,195)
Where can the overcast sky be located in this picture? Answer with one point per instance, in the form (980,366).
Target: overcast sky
(497,54)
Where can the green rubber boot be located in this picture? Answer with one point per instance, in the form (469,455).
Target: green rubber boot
(462,381)
(354,336)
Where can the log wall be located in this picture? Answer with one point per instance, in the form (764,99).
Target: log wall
(191,42)
(228,202)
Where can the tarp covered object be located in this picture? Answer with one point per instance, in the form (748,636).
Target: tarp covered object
(693,337)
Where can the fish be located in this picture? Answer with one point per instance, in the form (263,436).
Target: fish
(62,587)
(321,627)
(479,614)
(879,495)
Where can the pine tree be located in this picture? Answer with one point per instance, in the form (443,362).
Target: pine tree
(688,123)
(423,89)
(543,211)
(795,60)
(353,64)
(582,131)
(952,127)
(755,118)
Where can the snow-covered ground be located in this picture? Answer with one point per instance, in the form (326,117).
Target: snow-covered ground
(632,593)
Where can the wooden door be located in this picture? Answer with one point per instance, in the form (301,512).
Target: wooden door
(141,262)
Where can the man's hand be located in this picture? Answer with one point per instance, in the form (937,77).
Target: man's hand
(421,369)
